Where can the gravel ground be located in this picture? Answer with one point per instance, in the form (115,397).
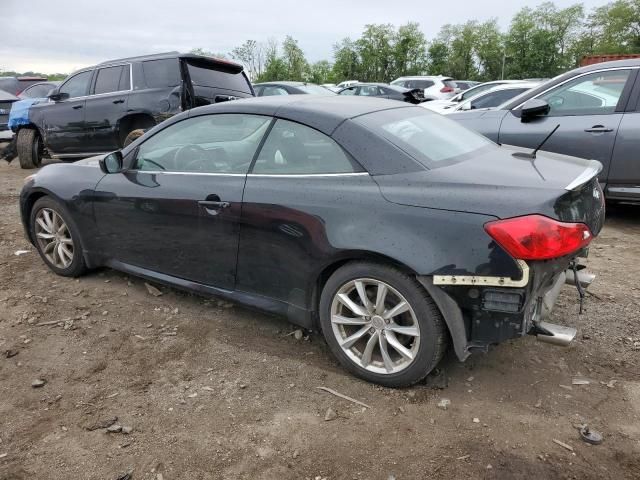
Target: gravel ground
(206,389)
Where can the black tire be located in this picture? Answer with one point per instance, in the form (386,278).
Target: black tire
(30,149)
(77,265)
(433,334)
(132,137)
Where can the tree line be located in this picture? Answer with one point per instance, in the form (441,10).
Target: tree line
(540,42)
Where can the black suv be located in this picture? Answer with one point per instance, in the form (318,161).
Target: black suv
(105,107)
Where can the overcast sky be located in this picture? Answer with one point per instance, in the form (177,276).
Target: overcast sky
(63,36)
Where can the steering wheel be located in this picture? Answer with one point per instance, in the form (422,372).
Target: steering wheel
(190,157)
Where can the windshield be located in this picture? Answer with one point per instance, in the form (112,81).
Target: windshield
(315,89)
(430,138)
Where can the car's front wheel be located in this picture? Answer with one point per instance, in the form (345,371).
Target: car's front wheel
(381,324)
(56,238)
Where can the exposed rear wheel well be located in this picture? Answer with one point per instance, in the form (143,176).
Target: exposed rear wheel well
(136,121)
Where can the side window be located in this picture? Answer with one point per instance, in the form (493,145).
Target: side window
(125,79)
(292,148)
(270,90)
(593,94)
(38,91)
(78,85)
(472,92)
(224,143)
(161,73)
(368,91)
(348,91)
(496,98)
(108,80)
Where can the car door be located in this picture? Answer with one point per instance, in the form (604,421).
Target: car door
(106,105)
(300,177)
(177,210)
(63,120)
(624,172)
(588,109)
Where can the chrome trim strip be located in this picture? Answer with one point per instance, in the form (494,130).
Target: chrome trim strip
(592,170)
(573,78)
(165,172)
(76,155)
(84,97)
(485,281)
(308,175)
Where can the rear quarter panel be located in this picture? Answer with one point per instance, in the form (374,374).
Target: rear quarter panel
(294,228)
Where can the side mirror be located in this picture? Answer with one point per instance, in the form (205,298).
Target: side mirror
(57,96)
(112,162)
(534,108)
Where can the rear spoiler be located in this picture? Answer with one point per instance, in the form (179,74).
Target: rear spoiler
(592,170)
(212,62)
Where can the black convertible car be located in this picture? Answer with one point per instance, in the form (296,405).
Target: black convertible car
(392,229)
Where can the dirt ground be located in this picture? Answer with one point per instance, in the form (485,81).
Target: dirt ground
(211,390)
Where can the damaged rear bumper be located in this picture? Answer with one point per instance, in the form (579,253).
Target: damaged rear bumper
(482,313)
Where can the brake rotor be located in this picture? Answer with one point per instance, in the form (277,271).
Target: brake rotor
(590,436)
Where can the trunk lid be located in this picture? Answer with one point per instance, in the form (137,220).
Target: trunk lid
(495,182)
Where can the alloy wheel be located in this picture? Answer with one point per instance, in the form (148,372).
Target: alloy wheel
(54,238)
(375,326)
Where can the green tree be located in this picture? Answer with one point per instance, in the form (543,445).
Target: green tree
(438,58)
(409,52)
(346,64)
(375,49)
(294,60)
(274,68)
(251,55)
(320,72)
(542,42)
(617,26)
(489,50)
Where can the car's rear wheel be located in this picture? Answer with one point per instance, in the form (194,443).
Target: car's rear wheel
(56,238)
(132,136)
(381,324)
(30,148)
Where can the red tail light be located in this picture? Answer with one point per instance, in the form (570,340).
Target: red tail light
(446,90)
(535,237)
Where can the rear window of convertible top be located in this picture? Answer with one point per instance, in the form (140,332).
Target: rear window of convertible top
(430,138)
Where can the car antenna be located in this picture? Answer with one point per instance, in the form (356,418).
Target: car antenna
(532,155)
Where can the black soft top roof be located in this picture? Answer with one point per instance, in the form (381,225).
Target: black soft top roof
(317,111)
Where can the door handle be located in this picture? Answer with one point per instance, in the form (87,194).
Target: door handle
(217,204)
(598,129)
(77,107)
(118,101)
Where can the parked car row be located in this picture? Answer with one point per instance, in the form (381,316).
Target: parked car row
(105,107)
(487,98)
